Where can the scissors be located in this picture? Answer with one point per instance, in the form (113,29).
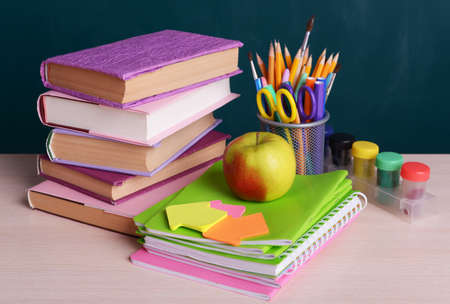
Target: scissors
(278,109)
(301,107)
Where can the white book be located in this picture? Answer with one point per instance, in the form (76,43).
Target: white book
(146,124)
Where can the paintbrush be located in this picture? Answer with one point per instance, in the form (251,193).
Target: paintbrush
(254,74)
(309,27)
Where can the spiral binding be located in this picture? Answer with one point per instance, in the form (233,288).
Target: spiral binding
(325,236)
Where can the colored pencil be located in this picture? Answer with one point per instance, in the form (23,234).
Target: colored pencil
(271,71)
(262,66)
(285,76)
(308,66)
(327,68)
(324,53)
(335,61)
(295,66)
(263,81)
(319,67)
(336,70)
(287,57)
(278,66)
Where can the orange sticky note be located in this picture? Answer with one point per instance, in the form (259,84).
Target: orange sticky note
(233,230)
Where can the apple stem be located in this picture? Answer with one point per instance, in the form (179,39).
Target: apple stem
(257,138)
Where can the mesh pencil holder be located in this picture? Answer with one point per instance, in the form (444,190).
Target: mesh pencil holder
(307,140)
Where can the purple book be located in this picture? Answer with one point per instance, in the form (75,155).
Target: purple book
(129,58)
(118,179)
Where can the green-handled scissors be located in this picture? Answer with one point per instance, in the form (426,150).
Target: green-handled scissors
(274,103)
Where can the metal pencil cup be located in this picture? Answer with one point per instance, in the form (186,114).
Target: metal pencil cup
(307,140)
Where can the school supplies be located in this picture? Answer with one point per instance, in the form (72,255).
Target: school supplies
(279,63)
(319,61)
(388,169)
(324,190)
(248,283)
(252,269)
(309,27)
(197,216)
(415,176)
(117,188)
(146,124)
(254,74)
(364,155)
(309,112)
(341,146)
(287,56)
(271,67)
(276,107)
(327,68)
(262,66)
(58,199)
(143,68)
(333,76)
(334,62)
(295,68)
(84,150)
(232,230)
(319,67)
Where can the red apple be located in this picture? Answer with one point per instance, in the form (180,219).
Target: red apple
(259,166)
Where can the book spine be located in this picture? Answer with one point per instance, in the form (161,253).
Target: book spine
(48,148)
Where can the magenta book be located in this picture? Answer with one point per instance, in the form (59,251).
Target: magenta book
(146,67)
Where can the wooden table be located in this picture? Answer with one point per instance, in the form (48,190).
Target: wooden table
(378,259)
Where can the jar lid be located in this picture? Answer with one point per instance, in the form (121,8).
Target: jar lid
(364,149)
(341,141)
(389,161)
(415,171)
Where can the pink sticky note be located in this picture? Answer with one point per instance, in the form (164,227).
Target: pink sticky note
(232,210)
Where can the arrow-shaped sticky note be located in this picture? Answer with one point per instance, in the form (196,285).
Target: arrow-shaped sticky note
(198,216)
(232,210)
(232,230)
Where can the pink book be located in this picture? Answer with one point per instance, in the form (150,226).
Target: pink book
(64,201)
(126,60)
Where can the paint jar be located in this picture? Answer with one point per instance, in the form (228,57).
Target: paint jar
(388,169)
(415,176)
(341,146)
(364,154)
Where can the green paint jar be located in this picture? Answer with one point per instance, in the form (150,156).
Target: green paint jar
(388,169)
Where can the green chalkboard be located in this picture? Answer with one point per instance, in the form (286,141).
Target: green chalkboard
(394,55)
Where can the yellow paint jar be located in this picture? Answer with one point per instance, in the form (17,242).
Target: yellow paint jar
(364,155)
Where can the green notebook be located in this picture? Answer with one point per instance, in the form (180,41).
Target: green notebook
(288,218)
(314,238)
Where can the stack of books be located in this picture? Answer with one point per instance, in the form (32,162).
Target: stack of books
(133,123)
(299,224)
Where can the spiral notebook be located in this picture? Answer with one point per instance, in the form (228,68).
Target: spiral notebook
(276,264)
(247,282)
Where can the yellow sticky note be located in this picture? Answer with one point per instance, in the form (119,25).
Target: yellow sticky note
(198,216)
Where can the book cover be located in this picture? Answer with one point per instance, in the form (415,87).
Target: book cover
(129,58)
